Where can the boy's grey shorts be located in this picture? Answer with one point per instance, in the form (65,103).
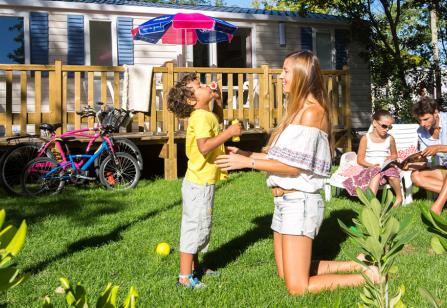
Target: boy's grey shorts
(298,213)
(197,211)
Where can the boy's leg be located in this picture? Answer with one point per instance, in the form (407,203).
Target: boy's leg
(442,197)
(395,185)
(190,227)
(186,261)
(431,179)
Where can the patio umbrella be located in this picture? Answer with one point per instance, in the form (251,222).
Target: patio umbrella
(184,29)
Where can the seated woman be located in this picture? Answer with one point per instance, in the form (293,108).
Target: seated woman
(374,149)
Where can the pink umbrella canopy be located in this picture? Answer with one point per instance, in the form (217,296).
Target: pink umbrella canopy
(185,29)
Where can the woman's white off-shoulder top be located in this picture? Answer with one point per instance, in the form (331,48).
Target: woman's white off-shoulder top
(306,148)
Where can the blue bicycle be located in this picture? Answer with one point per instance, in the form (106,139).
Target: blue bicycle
(119,170)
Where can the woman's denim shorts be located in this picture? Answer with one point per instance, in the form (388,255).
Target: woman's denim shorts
(298,213)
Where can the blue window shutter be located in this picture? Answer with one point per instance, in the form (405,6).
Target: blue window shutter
(75,37)
(38,27)
(125,40)
(306,38)
(341,48)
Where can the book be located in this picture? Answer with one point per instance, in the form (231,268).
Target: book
(404,164)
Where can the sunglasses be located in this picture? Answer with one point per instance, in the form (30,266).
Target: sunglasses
(384,126)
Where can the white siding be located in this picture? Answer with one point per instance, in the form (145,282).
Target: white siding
(268,50)
(152,54)
(361,106)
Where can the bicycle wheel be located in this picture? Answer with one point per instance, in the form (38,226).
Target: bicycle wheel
(13,162)
(121,145)
(36,179)
(121,175)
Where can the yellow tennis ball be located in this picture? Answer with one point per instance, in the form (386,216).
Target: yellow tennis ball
(163,249)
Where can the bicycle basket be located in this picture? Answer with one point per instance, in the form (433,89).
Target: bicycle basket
(115,119)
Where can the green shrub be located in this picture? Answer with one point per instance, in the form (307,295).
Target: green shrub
(11,243)
(76,296)
(380,236)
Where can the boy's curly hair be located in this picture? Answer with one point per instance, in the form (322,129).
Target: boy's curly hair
(178,96)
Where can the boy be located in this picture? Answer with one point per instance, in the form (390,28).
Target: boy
(189,98)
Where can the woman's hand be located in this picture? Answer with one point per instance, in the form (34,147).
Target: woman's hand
(232,162)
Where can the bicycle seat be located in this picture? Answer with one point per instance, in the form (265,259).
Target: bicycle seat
(50,127)
(65,138)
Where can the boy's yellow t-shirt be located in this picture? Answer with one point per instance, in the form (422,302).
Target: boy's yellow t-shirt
(201,169)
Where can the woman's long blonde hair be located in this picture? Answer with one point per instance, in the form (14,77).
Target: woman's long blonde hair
(307,79)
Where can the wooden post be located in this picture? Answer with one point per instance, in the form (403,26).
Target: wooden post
(23,108)
(38,98)
(347,108)
(55,108)
(171,161)
(8,126)
(264,99)
(77,99)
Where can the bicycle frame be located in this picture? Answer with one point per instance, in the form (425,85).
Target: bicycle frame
(105,145)
(75,133)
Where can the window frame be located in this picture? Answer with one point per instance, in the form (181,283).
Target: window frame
(26,31)
(113,30)
(331,31)
(188,51)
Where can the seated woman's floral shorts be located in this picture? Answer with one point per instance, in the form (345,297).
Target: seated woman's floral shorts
(298,213)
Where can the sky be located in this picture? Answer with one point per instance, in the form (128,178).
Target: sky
(239,3)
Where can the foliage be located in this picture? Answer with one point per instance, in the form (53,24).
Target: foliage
(399,48)
(437,225)
(18,55)
(380,236)
(94,236)
(11,243)
(76,296)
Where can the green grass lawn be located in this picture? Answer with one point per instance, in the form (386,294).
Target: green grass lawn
(94,237)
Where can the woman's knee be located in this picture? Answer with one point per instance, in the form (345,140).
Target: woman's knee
(297,288)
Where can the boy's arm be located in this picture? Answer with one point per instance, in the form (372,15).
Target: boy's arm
(207,145)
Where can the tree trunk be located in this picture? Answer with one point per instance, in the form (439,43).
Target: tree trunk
(434,42)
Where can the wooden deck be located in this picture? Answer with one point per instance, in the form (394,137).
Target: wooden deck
(33,94)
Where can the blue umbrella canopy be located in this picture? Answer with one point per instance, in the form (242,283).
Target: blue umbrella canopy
(185,29)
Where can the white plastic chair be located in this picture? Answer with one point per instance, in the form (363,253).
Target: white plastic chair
(406,139)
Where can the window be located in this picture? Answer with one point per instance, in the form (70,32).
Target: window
(238,52)
(101,43)
(323,48)
(12,49)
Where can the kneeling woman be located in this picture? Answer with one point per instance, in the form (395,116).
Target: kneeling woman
(298,160)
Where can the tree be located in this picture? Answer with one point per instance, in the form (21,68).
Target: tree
(18,54)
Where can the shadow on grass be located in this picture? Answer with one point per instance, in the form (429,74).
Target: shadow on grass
(98,240)
(326,245)
(34,210)
(230,251)
(101,239)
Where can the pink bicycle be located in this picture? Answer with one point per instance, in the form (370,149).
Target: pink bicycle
(14,160)
(118,170)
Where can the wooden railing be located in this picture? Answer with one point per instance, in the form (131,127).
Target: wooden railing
(32,94)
